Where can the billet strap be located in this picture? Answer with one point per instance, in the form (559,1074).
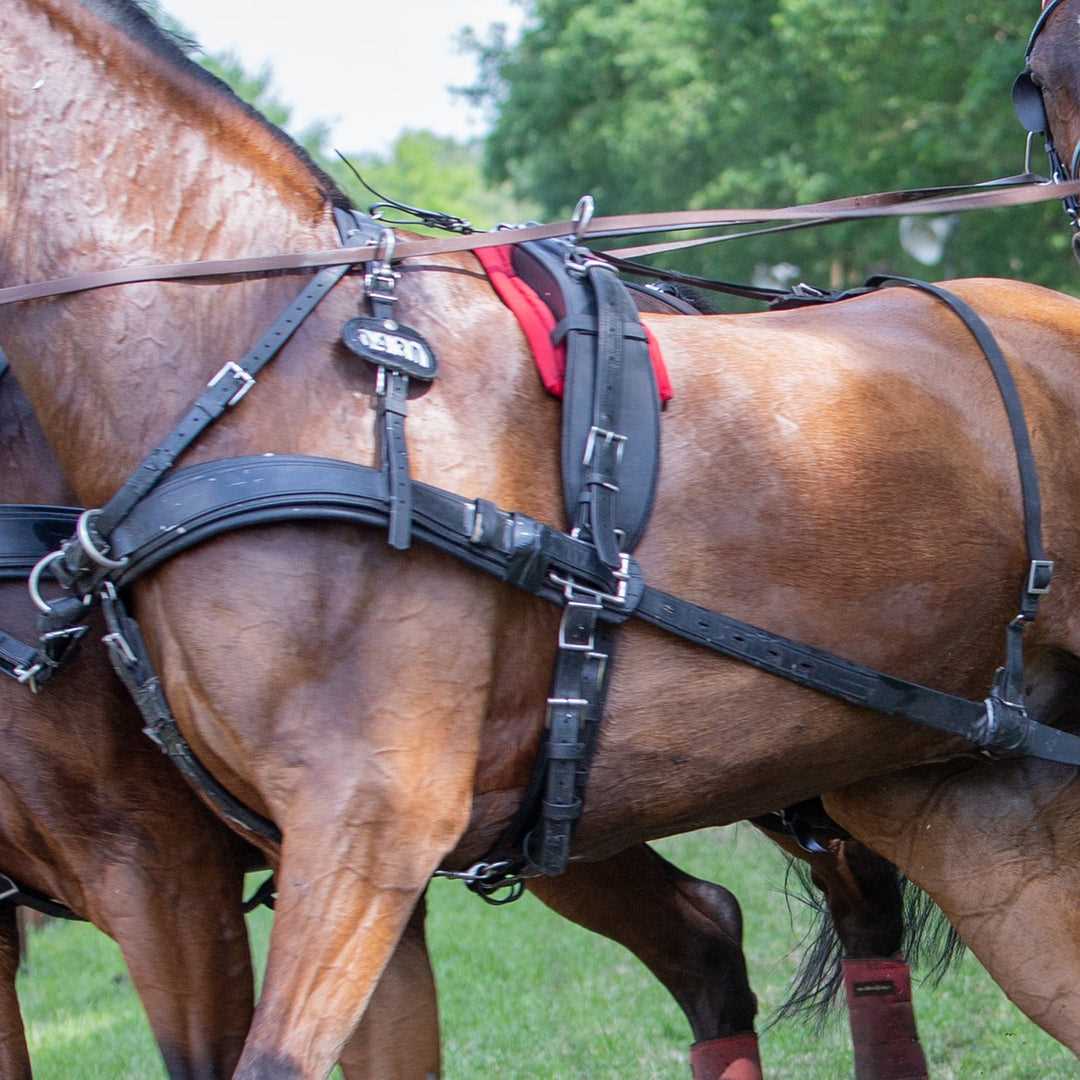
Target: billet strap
(17,659)
(599,228)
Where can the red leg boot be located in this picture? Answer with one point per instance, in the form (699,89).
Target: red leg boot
(731,1058)
(883,1021)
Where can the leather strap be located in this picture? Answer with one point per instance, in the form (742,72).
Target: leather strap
(622,225)
(224,390)
(1037,580)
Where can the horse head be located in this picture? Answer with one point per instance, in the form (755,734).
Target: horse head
(1046,94)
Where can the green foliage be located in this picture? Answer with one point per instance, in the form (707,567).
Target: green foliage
(654,104)
(433,172)
(421,168)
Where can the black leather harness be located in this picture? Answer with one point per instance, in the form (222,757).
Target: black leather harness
(610,462)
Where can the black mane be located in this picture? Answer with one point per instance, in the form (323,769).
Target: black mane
(137,20)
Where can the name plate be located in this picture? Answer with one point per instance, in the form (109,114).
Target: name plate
(386,343)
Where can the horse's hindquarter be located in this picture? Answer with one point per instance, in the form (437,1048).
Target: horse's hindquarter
(845,477)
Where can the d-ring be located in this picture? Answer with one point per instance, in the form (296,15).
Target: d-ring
(34,584)
(582,216)
(384,253)
(82,530)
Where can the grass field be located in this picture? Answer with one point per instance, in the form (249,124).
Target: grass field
(525,994)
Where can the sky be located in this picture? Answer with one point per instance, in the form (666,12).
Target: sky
(369,69)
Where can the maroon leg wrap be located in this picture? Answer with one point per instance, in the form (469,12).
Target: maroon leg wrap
(733,1058)
(883,1021)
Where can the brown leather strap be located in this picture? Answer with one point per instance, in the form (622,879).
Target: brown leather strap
(860,206)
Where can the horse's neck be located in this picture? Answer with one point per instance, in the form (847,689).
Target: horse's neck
(125,156)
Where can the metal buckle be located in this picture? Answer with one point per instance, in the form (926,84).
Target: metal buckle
(1038,565)
(28,677)
(232,368)
(68,631)
(119,643)
(82,528)
(618,598)
(608,437)
(582,216)
(570,646)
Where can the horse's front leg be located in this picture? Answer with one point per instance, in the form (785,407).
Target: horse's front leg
(688,933)
(398,1037)
(353,866)
(14,1057)
(181,930)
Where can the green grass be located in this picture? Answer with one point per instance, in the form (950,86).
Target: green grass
(525,994)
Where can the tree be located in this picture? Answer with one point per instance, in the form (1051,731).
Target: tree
(666,104)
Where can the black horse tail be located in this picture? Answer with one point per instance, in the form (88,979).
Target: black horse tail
(928,942)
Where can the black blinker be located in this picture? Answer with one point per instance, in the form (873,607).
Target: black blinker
(1028,102)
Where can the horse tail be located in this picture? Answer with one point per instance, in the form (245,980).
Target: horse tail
(929,942)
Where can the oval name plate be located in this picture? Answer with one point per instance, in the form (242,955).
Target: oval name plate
(388,344)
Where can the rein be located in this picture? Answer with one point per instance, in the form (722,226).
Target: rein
(885,204)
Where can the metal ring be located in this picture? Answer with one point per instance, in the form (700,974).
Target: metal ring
(582,215)
(34,584)
(384,252)
(82,530)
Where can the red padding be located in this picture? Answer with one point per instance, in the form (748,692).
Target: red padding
(733,1058)
(537,322)
(883,1032)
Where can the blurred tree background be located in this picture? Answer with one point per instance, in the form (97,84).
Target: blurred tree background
(673,104)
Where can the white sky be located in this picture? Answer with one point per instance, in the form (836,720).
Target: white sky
(369,68)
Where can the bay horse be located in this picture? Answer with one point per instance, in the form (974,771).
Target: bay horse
(94,816)
(863,445)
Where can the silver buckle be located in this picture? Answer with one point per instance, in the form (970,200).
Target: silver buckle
(117,641)
(618,598)
(28,677)
(608,437)
(570,646)
(82,530)
(232,368)
(1036,566)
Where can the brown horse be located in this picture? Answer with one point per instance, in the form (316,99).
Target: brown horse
(94,816)
(383,714)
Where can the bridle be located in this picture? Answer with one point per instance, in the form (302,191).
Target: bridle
(1030,109)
